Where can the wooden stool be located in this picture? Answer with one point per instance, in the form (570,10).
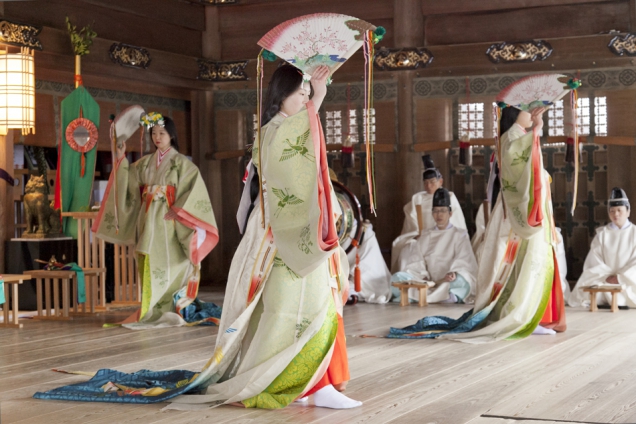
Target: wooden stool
(594,290)
(404,292)
(12,280)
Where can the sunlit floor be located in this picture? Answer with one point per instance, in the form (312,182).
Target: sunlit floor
(585,375)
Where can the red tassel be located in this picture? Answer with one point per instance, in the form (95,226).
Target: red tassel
(357,284)
(83,162)
(357,278)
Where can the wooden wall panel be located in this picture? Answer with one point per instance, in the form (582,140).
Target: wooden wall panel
(187,15)
(447,7)
(385,122)
(230,130)
(433,120)
(523,24)
(621,104)
(45,134)
(184,132)
(109,24)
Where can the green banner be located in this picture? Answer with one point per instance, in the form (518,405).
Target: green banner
(76,189)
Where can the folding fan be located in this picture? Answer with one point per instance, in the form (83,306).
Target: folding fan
(536,91)
(319,39)
(126,124)
(121,129)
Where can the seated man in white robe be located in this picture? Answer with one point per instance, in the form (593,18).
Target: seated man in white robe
(411,229)
(442,255)
(612,258)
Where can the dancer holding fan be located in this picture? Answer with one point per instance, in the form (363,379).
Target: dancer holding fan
(518,285)
(281,335)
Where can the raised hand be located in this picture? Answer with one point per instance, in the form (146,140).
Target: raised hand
(121,151)
(319,84)
(537,117)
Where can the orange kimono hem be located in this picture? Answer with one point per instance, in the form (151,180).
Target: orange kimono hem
(338,369)
(554,315)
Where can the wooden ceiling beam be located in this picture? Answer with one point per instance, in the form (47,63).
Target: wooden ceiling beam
(109,24)
(169,69)
(186,15)
(525,24)
(568,53)
(261,17)
(451,7)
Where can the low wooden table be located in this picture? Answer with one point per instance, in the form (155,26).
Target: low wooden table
(59,279)
(404,292)
(11,282)
(67,282)
(594,290)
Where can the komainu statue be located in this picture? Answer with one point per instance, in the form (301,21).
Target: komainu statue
(41,218)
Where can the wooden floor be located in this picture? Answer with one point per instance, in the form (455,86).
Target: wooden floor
(585,375)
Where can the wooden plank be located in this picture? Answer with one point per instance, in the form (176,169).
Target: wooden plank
(426,147)
(530,23)
(111,25)
(187,15)
(451,7)
(502,382)
(576,391)
(230,154)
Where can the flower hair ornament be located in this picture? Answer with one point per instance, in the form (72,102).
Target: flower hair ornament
(151,119)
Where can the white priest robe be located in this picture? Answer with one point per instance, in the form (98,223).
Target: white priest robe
(480,229)
(410,228)
(613,252)
(375,278)
(435,254)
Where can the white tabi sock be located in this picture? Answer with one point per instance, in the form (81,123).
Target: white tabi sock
(542,330)
(329,397)
(451,299)
(302,399)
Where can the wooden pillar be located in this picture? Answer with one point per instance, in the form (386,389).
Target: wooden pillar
(408,22)
(203,142)
(6,196)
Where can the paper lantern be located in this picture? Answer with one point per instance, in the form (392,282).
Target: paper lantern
(17,91)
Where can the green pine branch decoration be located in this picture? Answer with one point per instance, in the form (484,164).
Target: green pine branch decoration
(80,40)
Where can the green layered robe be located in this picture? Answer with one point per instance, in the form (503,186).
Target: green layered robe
(518,286)
(169,252)
(286,281)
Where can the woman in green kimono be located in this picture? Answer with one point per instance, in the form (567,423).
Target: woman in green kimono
(281,335)
(518,285)
(161,205)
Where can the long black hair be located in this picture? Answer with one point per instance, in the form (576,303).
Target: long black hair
(509,116)
(171,128)
(285,80)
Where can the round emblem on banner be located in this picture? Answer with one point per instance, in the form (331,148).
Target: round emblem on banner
(81,135)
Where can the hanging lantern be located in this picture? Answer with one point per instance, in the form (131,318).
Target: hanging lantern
(17,91)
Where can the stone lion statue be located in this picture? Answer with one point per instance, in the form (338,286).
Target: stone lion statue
(41,218)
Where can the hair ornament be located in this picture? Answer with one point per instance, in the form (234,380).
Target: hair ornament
(151,119)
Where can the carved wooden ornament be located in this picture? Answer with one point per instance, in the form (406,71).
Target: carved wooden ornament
(525,51)
(402,59)
(222,71)
(623,45)
(127,55)
(20,35)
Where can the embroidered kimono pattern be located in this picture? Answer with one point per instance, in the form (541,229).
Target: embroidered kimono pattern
(280,334)
(518,284)
(169,252)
